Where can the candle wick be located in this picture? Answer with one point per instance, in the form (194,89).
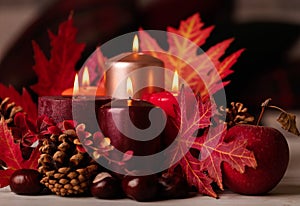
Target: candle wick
(129,98)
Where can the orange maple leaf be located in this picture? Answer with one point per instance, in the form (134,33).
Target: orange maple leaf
(203,72)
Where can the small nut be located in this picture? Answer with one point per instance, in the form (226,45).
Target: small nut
(26,182)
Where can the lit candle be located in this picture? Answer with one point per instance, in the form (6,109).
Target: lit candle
(123,120)
(85,89)
(146,72)
(175,84)
(168,101)
(129,87)
(77,103)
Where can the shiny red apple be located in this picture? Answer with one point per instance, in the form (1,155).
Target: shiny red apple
(272,155)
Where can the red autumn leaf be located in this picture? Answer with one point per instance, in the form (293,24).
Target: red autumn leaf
(205,113)
(11,154)
(193,30)
(5,176)
(196,69)
(57,74)
(24,100)
(206,168)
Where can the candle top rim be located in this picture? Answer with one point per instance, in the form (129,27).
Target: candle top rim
(79,97)
(123,103)
(134,57)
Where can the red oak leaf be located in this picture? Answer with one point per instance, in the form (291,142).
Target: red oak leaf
(24,100)
(57,74)
(11,154)
(203,72)
(203,169)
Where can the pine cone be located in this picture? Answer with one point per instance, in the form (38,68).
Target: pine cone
(8,110)
(238,114)
(66,171)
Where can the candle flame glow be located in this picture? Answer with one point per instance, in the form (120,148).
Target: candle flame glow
(86,77)
(76,85)
(129,87)
(135,44)
(175,84)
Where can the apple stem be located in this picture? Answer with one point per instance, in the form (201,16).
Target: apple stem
(265,105)
(263,108)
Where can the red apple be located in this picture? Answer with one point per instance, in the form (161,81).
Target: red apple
(272,155)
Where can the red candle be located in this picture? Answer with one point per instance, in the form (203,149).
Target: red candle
(77,103)
(124,122)
(127,123)
(60,108)
(84,110)
(169,102)
(56,107)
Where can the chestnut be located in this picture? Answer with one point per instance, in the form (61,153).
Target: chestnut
(141,188)
(173,186)
(105,186)
(26,182)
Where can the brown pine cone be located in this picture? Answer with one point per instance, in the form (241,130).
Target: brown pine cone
(66,171)
(238,114)
(8,110)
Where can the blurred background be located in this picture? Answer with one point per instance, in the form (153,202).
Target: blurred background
(268,29)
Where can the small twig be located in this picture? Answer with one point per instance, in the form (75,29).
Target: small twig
(278,108)
(263,105)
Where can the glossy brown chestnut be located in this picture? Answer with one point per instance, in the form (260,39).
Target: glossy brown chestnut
(173,186)
(141,188)
(26,182)
(106,186)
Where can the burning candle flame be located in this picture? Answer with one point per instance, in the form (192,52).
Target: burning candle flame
(175,84)
(86,77)
(135,44)
(129,87)
(76,85)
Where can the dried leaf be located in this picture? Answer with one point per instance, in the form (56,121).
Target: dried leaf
(127,156)
(57,74)
(288,122)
